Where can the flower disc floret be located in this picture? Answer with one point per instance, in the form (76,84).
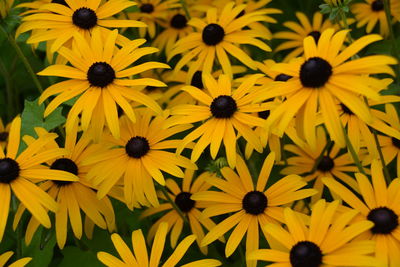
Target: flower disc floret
(84,18)
(100,74)
(326,164)
(147,8)
(184,202)
(213,34)
(377,5)
(255,202)
(384,219)
(197,80)
(305,254)
(315,72)
(137,147)
(223,106)
(9,170)
(178,21)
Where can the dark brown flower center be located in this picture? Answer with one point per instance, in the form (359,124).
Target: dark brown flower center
(147,8)
(9,170)
(67,165)
(213,34)
(183,201)
(137,147)
(178,21)
(100,74)
(315,72)
(84,18)
(384,219)
(305,254)
(377,5)
(223,106)
(255,202)
(326,164)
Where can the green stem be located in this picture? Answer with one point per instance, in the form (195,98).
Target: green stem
(353,152)
(172,202)
(22,57)
(185,9)
(395,50)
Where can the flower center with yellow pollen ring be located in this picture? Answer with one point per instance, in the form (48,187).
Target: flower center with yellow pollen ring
(315,72)
(9,170)
(84,18)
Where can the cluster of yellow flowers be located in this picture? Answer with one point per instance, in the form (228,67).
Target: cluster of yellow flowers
(178,86)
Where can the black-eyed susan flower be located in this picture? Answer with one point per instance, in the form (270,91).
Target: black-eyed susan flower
(175,28)
(17,173)
(322,77)
(4,132)
(223,109)
(333,163)
(190,208)
(379,204)
(151,13)
(327,241)
(140,256)
(60,22)
(97,75)
(294,38)
(372,12)
(391,145)
(5,257)
(76,197)
(250,206)
(217,35)
(137,158)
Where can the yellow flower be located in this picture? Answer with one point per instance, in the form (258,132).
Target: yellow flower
(322,77)
(327,241)
(249,206)
(372,12)
(223,109)
(97,77)
(17,173)
(140,256)
(137,158)
(216,35)
(189,207)
(379,205)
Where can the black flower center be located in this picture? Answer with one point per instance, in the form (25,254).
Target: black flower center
(100,74)
(147,8)
(183,201)
(9,170)
(316,35)
(346,109)
(197,80)
(305,254)
(223,106)
(3,136)
(213,34)
(64,164)
(61,2)
(264,114)
(137,147)
(255,202)
(384,219)
(315,72)
(282,77)
(178,21)
(396,142)
(84,18)
(326,164)
(377,5)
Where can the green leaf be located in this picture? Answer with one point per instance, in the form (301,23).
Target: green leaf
(73,256)
(32,117)
(41,255)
